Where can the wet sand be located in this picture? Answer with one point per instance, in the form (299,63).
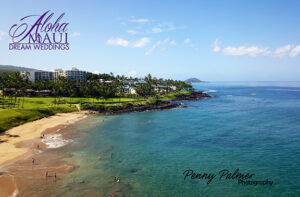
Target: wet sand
(8,185)
(18,174)
(31,130)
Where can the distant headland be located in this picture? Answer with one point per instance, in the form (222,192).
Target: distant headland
(193,80)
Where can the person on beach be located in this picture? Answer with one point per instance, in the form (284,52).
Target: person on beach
(32,161)
(117,180)
(55,176)
(46,174)
(38,146)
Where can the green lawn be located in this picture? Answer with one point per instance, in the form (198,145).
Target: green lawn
(13,117)
(38,107)
(103,101)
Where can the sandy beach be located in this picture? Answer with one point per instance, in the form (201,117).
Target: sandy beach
(11,141)
(20,143)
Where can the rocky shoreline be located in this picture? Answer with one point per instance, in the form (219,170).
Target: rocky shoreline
(193,96)
(158,105)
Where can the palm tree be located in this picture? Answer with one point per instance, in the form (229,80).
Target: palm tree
(3,84)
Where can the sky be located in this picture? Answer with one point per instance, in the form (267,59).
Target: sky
(226,40)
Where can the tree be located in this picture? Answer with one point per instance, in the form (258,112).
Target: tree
(145,89)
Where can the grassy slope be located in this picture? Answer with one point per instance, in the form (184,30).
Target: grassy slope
(101,105)
(40,107)
(34,108)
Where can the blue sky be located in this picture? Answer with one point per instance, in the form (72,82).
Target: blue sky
(222,40)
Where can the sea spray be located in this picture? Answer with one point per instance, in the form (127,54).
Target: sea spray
(55,141)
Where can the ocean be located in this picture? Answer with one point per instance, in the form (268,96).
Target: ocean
(250,128)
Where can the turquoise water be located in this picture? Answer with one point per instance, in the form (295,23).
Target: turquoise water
(251,126)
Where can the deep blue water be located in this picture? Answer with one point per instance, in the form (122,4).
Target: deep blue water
(251,126)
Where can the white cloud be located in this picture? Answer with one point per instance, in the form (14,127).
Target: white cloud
(132,32)
(141,42)
(162,27)
(253,51)
(295,51)
(132,73)
(172,42)
(216,46)
(156,30)
(75,34)
(123,23)
(257,51)
(125,43)
(150,50)
(282,51)
(141,20)
(118,42)
(187,40)
(2,34)
(164,42)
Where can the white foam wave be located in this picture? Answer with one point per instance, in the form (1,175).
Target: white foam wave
(15,193)
(76,120)
(210,91)
(55,141)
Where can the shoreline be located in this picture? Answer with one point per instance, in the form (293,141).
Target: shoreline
(12,141)
(19,144)
(149,106)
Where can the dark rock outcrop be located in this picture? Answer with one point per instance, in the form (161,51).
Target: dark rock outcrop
(194,96)
(157,105)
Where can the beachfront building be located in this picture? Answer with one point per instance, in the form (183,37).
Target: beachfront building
(139,82)
(173,88)
(43,75)
(59,73)
(160,89)
(129,90)
(38,75)
(73,74)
